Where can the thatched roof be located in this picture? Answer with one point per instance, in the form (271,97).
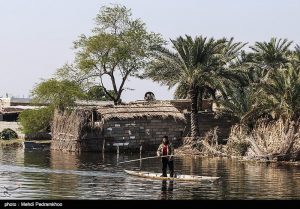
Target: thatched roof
(142,110)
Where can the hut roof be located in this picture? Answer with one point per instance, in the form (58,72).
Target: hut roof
(140,110)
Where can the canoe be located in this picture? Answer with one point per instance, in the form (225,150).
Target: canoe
(151,175)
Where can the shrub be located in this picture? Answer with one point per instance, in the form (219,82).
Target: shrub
(240,148)
(237,144)
(8,134)
(268,140)
(38,120)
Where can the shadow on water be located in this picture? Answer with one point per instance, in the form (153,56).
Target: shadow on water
(48,174)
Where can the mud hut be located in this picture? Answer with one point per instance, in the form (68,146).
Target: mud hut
(126,126)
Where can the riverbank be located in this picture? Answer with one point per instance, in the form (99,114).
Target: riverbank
(267,141)
(190,151)
(27,144)
(12,143)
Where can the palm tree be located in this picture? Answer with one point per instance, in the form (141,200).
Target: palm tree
(297,54)
(271,55)
(280,94)
(196,66)
(239,103)
(297,48)
(182,92)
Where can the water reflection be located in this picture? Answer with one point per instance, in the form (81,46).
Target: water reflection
(167,190)
(48,174)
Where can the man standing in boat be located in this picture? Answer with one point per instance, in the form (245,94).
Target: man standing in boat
(166,148)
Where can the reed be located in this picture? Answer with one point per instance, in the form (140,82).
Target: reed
(275,140)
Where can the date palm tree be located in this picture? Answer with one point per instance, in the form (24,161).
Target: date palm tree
(297,54)
(280,94)
(268,56)
(239,103)
(196,65)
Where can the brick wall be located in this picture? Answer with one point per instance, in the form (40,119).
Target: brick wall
(148,133)
(132,133)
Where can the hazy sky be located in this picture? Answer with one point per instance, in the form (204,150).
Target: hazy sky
(36,35)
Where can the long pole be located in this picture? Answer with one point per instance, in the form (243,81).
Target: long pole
(145,158)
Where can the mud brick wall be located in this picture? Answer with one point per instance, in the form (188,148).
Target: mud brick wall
(131,134)
(209,120)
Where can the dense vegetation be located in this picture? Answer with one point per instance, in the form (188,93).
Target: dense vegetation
(55,94)
(38,120)
(198,66)
(118,48)
(263,82)
(260,84)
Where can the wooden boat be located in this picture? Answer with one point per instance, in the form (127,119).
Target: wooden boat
(157,176)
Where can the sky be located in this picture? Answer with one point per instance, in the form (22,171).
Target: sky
(36,36)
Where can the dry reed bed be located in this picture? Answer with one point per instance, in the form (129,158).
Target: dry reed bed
(268,141)
(277,140)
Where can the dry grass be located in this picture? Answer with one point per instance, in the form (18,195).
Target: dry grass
(268,140)
(237,144)
(271,141)
(205,146)
(143,110)
(74,125)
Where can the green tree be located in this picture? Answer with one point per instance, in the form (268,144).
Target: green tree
(196,65)
(59,94)
(53,94)
(37,120)
(97,93)
(118,48)
(269,56)
(243,103)
(279,95)
(296,57)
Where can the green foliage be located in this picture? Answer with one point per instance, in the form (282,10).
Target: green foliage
(272,83)
(239,101)
(200,62)
(8,134)
(271,55)
(97,93)
(279,95)
(189,62)
(37,120)
(59,94)
(197,67)
(119,46)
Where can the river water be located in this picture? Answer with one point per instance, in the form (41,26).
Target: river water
(48,174)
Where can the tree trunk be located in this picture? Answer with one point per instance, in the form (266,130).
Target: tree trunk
(194,116)
(117,101)
(200,99)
